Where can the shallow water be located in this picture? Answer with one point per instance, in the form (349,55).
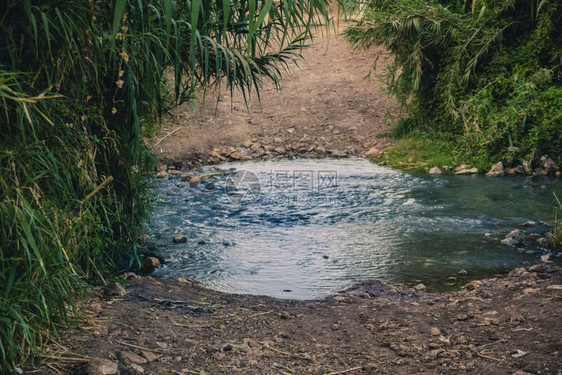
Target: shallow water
(307,228)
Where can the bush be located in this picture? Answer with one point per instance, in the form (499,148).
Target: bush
(488,72)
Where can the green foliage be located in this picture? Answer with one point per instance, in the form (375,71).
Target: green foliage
(488,72)
(80,83)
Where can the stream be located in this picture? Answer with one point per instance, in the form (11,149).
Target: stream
(304,229)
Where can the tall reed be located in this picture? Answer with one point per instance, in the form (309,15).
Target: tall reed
(79,81)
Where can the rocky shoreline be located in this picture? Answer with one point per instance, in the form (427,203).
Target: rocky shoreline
(504,325)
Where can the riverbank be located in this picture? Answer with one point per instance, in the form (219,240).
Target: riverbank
(506,325)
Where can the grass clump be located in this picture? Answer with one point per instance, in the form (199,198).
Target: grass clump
(418,153)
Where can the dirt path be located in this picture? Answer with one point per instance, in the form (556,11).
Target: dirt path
(328,107)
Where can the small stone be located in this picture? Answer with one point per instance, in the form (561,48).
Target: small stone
(435,170)
(373,153)
(184,280)
(463,272)
(138,368)
(195,179)
(529,223)
(284,315)
(554,287)
(247,143)
(114,289)
(473,285)
(514,233)
(161,174)
(129,358)
(99,366)
(235,155)
(517,272)
(496,170)
(509,241)
(179,238)
(245,158)
(420,287)
(280,150)
(149,264)
(462,317)
(150,357)
(517,170)
(185,176)
(226,348)
(277,140)
(338,154)
(460,167)
(467,171)
(434,331)
(175,172)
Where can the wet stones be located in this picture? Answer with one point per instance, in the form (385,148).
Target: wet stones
(149,264)
(466,171)
(435,171)
(513,238)
(496,170)
(179,238)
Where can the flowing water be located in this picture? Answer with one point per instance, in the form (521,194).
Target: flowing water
(305,229)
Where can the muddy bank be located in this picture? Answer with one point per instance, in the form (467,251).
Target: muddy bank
(506,325)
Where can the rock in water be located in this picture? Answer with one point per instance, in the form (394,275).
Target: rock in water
(547,167)
(149,264)
(180,238)
(512,238)
(99,366)
(467,171)
(435,170)
(496,170)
